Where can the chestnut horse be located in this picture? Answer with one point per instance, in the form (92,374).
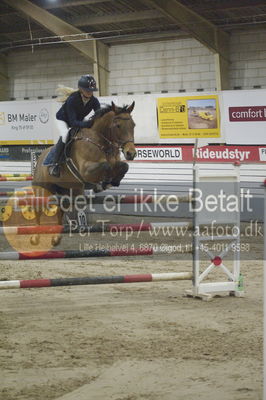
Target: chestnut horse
(93,159)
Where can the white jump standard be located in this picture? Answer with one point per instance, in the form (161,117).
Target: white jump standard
(231,185)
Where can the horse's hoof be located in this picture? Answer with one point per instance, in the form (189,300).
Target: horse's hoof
(98,188)
(106,185)
(35,240)
(56,240)
(115,183)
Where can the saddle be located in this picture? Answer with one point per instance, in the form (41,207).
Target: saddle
(49,159)
(72,133)
(66,158)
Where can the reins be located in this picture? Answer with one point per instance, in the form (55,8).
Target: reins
(117,144)
(113,146)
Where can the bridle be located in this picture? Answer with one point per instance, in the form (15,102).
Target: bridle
(113,146)
(119,144)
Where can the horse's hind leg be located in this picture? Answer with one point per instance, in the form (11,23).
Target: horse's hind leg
(58,213)
(45,192)
(38,192)
(56,239)
(35,239)
(119,171)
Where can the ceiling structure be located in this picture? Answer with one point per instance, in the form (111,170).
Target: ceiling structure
(124,21)
(90,26)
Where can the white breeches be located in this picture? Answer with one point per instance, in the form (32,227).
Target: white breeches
(63,129)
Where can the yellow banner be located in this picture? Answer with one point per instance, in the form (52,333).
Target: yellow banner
(188,117)
(25,142)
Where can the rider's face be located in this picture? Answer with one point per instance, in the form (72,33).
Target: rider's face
(85,93)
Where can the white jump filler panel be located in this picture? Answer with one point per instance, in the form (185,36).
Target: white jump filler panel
(216,208)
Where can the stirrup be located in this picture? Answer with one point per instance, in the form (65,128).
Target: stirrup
(54,170)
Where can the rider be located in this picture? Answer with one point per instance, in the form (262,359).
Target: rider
(71,115)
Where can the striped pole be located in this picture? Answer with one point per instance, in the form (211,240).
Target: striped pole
(50,200)
(15,178)
(95,280)
(38,255)
(97,228)
(13,175)
(16,193)
(30,201)
(148,199)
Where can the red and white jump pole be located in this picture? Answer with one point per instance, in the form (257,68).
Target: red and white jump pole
(97,228)
(15,178)
(38,255)
(95,280)
(56,200)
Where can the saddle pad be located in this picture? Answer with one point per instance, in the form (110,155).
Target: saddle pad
(50,157)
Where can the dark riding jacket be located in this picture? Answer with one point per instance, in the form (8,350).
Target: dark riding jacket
(73,111)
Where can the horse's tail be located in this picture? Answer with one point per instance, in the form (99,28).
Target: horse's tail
(64,92)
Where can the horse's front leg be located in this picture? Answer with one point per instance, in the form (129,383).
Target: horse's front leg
(98,173)
(119,170)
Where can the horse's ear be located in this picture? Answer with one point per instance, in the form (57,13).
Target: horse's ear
(131,108)
(114,108)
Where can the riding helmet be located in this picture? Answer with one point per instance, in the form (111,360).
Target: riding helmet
(87,82)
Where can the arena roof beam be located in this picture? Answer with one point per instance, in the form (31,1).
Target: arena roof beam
(146,37)
(201,29)
(85,20)
(64,3)
(65,30)
(234,4)
(204,31)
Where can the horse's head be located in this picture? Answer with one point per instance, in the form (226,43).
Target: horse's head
(123,130)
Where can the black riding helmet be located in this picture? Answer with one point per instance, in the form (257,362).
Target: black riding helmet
(87,82)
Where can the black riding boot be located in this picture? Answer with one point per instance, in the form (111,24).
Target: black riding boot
(54,169)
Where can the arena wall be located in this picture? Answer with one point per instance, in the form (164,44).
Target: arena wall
(36,74)
(155,67)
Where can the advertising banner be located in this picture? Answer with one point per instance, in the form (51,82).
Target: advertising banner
(213,154)
(26,122)
(162,153)
(19,152)
(188,117)
(244,116)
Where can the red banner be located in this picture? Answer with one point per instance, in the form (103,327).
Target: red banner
(214,154)
(250,113)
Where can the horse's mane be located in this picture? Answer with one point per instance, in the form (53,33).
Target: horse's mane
(106,109)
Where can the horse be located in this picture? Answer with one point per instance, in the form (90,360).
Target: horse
(92,159)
